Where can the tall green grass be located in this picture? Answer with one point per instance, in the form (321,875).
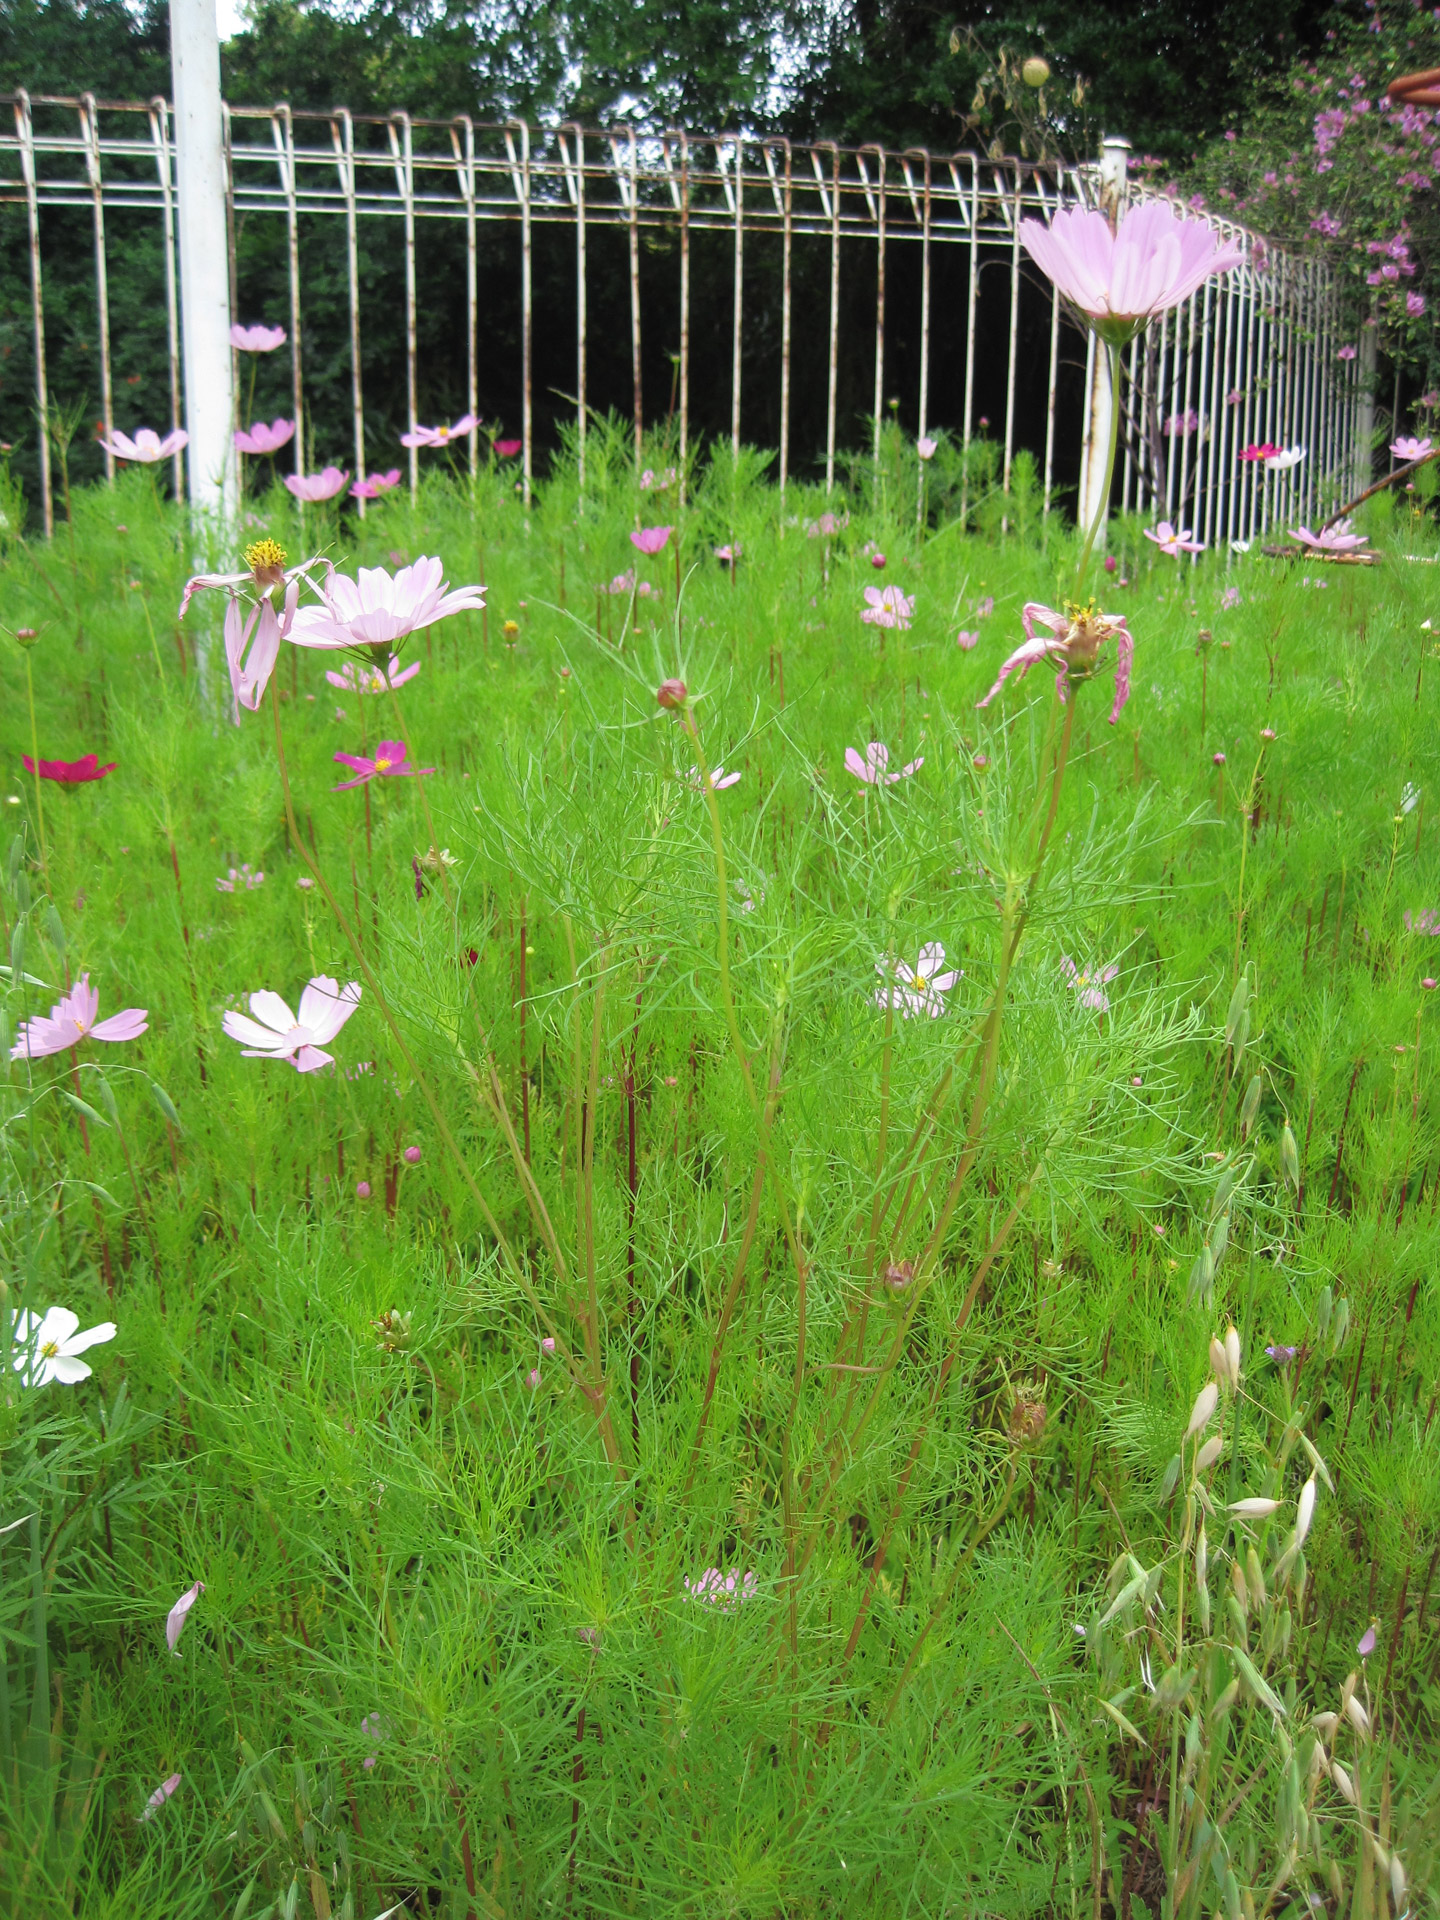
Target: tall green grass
(447,1660)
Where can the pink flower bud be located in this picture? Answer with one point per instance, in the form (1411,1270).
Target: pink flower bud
(877,560)
(362,1189)
(1219,759)
(532,1379)
(412,1155)
(547,1345)
(671,694)
(1112,565)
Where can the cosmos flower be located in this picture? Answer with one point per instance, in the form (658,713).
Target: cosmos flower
(253,636)
(1119,279)
(1073,641)
(1259,450)
(374,484)
(354,678)
(926,447)
(158,1798)
(239,880)
(1406,449)
(1173,540)
(718,780)
(887,607)
(650,481)
(71,773)
(650,539)
(1284,458)
(1089,983)
(376,610)
(48,1348)
(147,447)
(312,488)
(872,768)
(260,439)
(965,641)
(918,989)
(391,762)
(507,449)
(275,1033)
(1340,538)
(827,526)
(1229,599)
(722,1590)
(257,339)
(178,1614)
(439,436)
(1345,353)
(71,1020)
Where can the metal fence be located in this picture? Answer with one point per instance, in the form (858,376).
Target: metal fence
(1251,359)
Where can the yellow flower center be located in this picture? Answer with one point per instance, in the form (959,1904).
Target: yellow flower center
(920,981)
(264,553)
(50,1349)
(383,766)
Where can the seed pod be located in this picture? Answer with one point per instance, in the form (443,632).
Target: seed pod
(1255,1507)
(1203,1411)
(54,928)
(1219,1365)
(1219,1240)
(1287,1627)
(17,854)
(1324,1307)
(1398,1884)
(17,953)
(1256,1683)
(21,884)
(1239,1000)
(1343,1781)
(1209,1453)
(1242,1034)
(1202,1276)
(165,1103)
(1236,1615)
(1224,1187)
(1224,1703)
(1250,1106)
(1231,1888)
(1232,1354)
(107,1097)
(1341,1324)
(1358,1717)
(1172,1474)
(1254,1578)
(1173,1688)
(1305,1512)
(1237,1581)
(1289,1158)
(1202,1557)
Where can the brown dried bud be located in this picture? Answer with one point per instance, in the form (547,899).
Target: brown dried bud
(671,694)
(1027,1419)
(899,1274)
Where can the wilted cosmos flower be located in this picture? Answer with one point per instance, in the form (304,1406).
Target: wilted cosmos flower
(1089,983)
(276,1034)
(887,607)
(918,989)
(723,1590)
(158,1798)
(1340,538)
(71,1020)
(260,439)
(1073,643)
(375,610)
(1119,279)
(179,1613)
(872,768)
(252,639)
(650,539)
(1173,540)
(239,880)
(48,1348)
(1406,449)
(147,446)
(357,679)
(71,773)
(391,762)
(438,436)
(374,484)
(312,488)
(965,641)
(257,339)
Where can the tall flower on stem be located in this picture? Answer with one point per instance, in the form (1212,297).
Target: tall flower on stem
(71,1020)
(391,762)
(438,436)
(377,610)
(253,635)
(147,447)
(872,769)
(1072,641)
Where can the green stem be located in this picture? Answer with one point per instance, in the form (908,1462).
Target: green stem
(35,763)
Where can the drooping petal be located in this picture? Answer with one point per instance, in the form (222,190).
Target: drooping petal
(1124,658)
(92,1337)
(311,1059)
(1020,661)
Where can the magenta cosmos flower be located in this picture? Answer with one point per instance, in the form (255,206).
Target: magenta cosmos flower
(1341,538)
(276,1034)
(918,989)
(887,607)
(1119,279)
(71,773)
(314,487)
(650,539)
(374,484)
(257,438)
(377,610)
(1073,640)
(439,436)
(1406,449)
(72,1019)
(391,762)
(252,638)
(147,447)
(507,449)
(353,678)
(257,339)
(1089,983)
(872,768)
(1173,540)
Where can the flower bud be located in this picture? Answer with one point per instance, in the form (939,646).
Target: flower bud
(27,636)
(1305,1513)
(412,1156)
(1203,1411)
(1289,1158)
(671,694)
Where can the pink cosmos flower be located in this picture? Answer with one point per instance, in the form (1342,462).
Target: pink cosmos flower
(966,640)
(722,1590)
(176,1618)
(730,554)
(374,484)
(1120,280)
(353,678)
(376,610)
(1366,1645)
(1426,921)
(918,989)
(275,1033)
(1261,450)
(1340,538)
(872,768)
(1346,353)
(1229,599)
(260,439)
(1406,449)
(252,638)
(650,539)
(391,762)
(72,1019)
(147,446)
(827,526)
(257,339)
(507,449)
(1414,305)
(887,607)
(1073,640)
(48,1348)
(158,1798)
(1183,424)
(650,481)
(71,773)
(1089,983)
(239,880)
(926,447)
(718,780)
(1173,540)
(438,436)
(314,487)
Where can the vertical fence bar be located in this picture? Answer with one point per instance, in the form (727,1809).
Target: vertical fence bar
(25,133)
(785,308)
(582,317)
(342,138)
(402,155)
(527,316)
(739,153)
(232,258)
(879,301)
(1053,378)
(971,294)
(684,309)
(160,137)
(833,375)
(283,129)
(925,214)
(1015,328)
(90,131)
(465,169)
(636,371)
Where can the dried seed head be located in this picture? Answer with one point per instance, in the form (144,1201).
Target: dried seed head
(1305,1512)
(1027,1418)
(394,1330)
(1209,1453)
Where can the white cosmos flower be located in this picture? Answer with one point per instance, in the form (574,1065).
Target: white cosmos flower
(49,1349)
(378,610)
(918,989)
(276,1034)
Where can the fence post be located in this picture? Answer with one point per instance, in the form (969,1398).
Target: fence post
(1103,400)
(204,266)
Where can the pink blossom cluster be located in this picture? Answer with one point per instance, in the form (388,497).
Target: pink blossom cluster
(724,1590)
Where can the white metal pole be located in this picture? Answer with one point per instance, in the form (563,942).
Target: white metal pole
(204,267)
(1102,401)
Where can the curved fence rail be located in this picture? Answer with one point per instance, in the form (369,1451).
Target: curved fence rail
(1253,359)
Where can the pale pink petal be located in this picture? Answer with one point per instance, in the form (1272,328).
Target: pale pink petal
(311,1059)
(128,1025)
(1124,658)
(175,1619)
(854,764)
(325,1006)
(1021,661)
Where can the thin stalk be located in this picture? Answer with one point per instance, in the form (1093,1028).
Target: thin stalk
(35,766)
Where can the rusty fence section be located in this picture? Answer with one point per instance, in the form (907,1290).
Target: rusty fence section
(1254,358)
